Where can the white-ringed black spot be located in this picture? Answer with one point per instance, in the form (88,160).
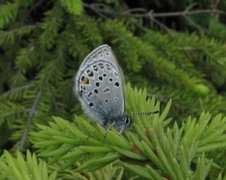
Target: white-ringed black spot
(91,104)
(110,79)
(95,91)
(95,68)
(117,84)
(82,78)
(108,67)
(101,65)
(97,84)
(90,74)
(106,100)
(100,54)
(105,75)
(115,99)
(100,78)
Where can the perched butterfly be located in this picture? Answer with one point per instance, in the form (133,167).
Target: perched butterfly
(99,87)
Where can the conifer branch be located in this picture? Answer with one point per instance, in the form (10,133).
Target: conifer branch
(42,44)
(32,112)
(28,167)
(15,112)
(24,87)
(150,144)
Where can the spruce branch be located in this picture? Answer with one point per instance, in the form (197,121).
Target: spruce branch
(32,112)
(142,54)
(10,36)
(151,144)
(28,167)
(8,13)
(51,25)
(73,6)
(17,89)
(9,110)
(188,68)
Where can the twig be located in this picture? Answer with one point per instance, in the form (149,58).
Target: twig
(193,23)
(15,112)
(17,89)
(140,12)
(187,13)
(179,13)
(57,109)
(159,23)
(215,4)
(187,9)
(98,8)
(103,10)
(28,123)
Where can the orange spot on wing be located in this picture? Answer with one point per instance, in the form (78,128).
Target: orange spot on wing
(85,80)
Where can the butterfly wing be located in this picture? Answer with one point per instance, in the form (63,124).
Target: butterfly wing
(99,85)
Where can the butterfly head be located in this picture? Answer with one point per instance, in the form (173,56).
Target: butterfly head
(122,123)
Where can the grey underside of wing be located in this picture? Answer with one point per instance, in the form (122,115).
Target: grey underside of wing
(109,101)
(107,98)
(102,52)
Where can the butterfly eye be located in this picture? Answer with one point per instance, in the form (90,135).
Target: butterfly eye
(127,121)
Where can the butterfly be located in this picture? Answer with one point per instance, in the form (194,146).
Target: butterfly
(99,86)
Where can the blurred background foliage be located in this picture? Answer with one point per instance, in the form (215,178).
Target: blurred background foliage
(175,49)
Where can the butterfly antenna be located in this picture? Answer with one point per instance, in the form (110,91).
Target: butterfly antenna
(144,113)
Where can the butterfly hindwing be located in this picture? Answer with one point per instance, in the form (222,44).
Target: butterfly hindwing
(99,85)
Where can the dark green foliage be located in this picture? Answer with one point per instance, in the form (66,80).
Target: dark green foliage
(42,44)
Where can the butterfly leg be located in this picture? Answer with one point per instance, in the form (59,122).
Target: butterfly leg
(108,128)
(121,130)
